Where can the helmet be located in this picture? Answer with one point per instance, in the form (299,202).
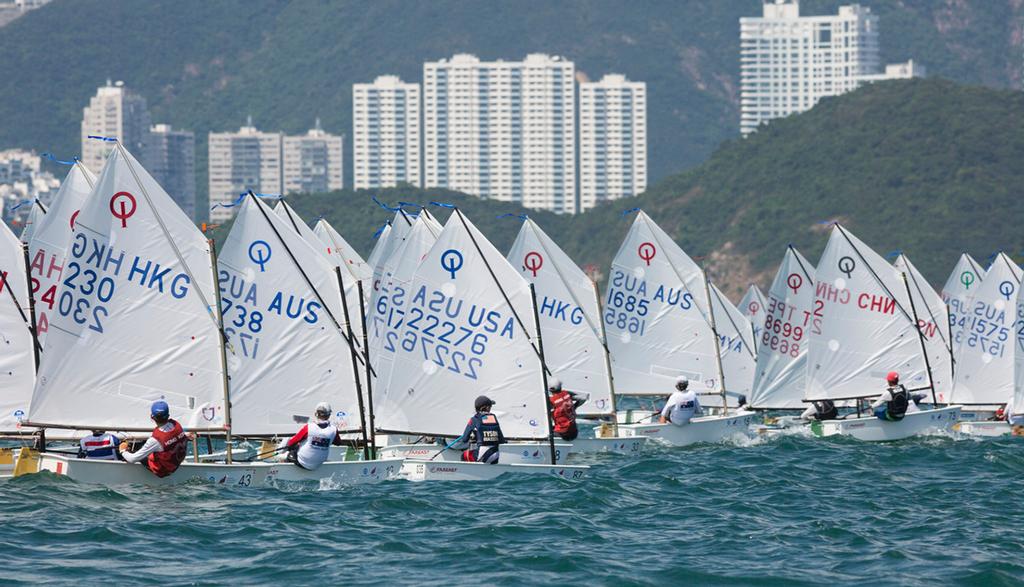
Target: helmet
(893,378)
(323,410)
(682,383)
(554,385)
(159,408)
(483,401)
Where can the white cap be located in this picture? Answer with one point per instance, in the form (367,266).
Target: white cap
(682,380)
(554,384)
(323,408)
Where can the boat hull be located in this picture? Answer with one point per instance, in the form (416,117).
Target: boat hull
(421,470)
(705,429)
(514,453)
(623,445)
(984,429)
(871,429)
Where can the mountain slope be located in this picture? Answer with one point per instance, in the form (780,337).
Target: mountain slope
(206,65)
(926,166)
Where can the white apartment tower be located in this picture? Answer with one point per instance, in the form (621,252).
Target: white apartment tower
(502,130)
(115,111)
(386,133)
(170,157)
(613,140)
(312,162)
(240,161)
(788,62)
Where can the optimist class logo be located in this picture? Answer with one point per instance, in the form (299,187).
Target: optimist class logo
(533,262)
(646,252)
(122,207)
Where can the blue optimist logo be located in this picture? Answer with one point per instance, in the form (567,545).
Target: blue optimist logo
(451,261)
(259,253)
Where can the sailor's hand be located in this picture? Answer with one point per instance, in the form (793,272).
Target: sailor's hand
(123,447)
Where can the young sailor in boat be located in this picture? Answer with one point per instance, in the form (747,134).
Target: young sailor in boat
(311,445)
(165,449)
(563,409)
(99,445)
(682,405)
(1016,421)
(480,440)
(820,410)
(894,403)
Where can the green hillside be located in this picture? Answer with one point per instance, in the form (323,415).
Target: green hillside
(929,167)
(206,65)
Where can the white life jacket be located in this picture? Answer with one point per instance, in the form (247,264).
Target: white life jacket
(317,446)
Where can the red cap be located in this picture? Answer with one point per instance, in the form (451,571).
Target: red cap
(893,377)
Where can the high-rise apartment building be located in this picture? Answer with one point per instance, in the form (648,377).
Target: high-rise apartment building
(788,62)
(613,140)
(240,161)
(386,133)
(115,111)
(170,157)
(312,162)
(502,130)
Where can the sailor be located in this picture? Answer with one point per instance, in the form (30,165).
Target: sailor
(820,410)
(311,445)
(1016,421)
(682,405)
(100,445)
(892,405)
(480,440)
(165,449)
(563,409)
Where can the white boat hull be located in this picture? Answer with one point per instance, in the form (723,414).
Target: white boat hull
(704,429)
(871,429)
(419,470)
(237,474)
(515,453)
(623,445)
(984,429)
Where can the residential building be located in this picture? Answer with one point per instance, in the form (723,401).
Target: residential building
(240,161)
(12,9)
(386,133)
(502,130)
(312,162)
(115,111)
(21,179)
(613,140)
(788,62)
(171,160)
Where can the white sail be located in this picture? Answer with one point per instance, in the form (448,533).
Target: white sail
(400,227)
(736,344)
(570,319)
(378,247)
(467,332)
(282,313)
(788,322)
(867,329)
(933,320)
(655,315)
(343,254)
(17,358)
(753,307)
(35,218)
(987,359)
(135,319)
(49,243)
(389,301)
(958,293)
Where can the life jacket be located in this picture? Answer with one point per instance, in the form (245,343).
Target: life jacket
(103,447)
(825,410)
(563,411)
(317,446)
(173,444)
(896,408)
(486,430)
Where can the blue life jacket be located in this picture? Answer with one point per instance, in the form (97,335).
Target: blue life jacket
(485,429)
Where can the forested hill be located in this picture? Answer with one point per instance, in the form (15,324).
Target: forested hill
(926,166)
(206,65)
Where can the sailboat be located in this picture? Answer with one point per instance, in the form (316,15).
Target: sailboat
(343,253)
(786,327)
(754,306)
(869,326)
(990,349)
(957,293)
(570,320)
(35,218)
(933,322)
(470,328)
(661,324)
(19,357)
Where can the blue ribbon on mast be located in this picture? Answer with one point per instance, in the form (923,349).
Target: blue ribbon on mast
(20,204)
(630,211)
(380,230)
(895,253)
(56,160)
(102,138)
(385,206)
(444,205)
(237,201)
(511,215)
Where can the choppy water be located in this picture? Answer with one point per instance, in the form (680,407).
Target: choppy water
(792,510)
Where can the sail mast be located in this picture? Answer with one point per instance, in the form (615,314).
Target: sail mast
(607,360)
(355,363)
(718,343)
(223,353)
(543,373)
(920,336)
(366,357)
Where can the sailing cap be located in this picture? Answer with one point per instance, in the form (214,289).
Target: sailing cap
(682,381)
(159,408)
(483,401)
(324,409)
(893,377)
(555,384)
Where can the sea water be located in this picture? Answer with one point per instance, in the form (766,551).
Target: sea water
(791,510)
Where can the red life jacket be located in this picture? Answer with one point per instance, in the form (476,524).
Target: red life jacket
(563,411)
(174,444)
